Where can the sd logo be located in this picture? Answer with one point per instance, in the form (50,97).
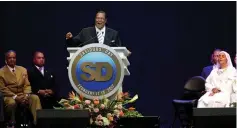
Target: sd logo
(96,71)
(96,74)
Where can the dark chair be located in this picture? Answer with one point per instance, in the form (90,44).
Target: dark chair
(193,90)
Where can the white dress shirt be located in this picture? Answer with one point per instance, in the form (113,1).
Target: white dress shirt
(11,69)
(42,69)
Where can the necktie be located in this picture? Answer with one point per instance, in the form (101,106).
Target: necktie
(100,37)
(41,69)
(13,71)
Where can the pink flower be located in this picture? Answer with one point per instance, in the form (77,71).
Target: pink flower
(96,110)
(99,117)
(76,106)
(87,102)
(102,106)
(121,114)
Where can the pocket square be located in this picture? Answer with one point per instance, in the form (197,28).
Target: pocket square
(112,41)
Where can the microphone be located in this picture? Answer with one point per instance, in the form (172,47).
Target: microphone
(88,40)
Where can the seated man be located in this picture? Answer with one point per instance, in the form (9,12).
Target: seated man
(16,88)
(220,84)
(42,81)
(214,58)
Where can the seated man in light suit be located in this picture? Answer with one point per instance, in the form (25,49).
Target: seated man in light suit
(97,34)
(214,58)
(16,88)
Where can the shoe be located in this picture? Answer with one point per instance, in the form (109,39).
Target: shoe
(24,125)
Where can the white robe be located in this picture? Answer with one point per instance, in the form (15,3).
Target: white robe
(224,80)
(233,98)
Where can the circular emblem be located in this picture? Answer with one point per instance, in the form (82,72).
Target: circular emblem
(96,70)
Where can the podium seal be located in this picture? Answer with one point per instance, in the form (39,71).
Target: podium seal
(96,71)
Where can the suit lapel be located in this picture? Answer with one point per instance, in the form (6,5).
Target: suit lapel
(38,72)
(45,73)
(106,41)
(93,33)
(18,74)
(108,37)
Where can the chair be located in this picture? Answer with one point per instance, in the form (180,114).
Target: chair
(193,90)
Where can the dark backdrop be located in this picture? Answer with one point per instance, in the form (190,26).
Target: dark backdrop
(170,41)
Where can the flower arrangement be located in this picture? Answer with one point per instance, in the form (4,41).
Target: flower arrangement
(103,112)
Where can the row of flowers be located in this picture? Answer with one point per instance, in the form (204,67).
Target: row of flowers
(103,112)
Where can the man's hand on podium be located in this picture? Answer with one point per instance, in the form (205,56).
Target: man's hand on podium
(69,35)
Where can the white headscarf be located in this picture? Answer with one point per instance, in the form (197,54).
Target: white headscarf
(229,62)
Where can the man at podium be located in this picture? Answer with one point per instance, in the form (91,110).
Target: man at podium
(97,34)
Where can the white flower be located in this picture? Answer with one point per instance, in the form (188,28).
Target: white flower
(116,112)
(120,106)
(106,121)
(133,99)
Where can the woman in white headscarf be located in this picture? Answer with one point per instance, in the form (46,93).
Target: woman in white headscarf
(220,84)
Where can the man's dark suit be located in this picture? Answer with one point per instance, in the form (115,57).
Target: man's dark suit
(39,81)
(206,71)
(88,36)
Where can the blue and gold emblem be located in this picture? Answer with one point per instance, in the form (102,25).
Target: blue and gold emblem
(96,70)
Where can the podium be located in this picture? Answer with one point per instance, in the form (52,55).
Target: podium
(122,52)
(97,70)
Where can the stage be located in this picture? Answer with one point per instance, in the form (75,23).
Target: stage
(214,117)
